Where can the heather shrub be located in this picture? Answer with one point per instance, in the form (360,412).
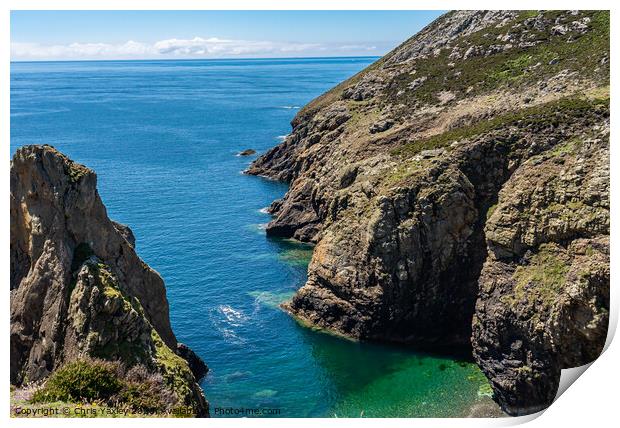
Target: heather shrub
(145,392)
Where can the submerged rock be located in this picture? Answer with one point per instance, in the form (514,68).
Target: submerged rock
(78,288)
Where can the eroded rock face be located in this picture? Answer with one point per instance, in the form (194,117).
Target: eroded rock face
(78,289)
(478,104)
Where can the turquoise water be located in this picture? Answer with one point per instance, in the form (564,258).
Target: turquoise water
(162,137)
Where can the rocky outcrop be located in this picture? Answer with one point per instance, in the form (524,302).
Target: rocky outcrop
(544,289)
(78,288)
(414,178)
(196,364)
(246,152)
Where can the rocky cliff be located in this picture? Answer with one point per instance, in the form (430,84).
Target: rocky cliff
(78,288)
(458,193)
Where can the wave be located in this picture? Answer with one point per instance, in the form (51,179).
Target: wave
(290,107)
(37,112)
(233,316)
(281,137)
(226,320)
(257,228)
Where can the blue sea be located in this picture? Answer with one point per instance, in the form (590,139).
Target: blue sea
(163,138)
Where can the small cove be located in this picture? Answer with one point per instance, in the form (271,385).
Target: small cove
(162,137)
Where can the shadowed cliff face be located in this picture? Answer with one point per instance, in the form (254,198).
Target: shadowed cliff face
(433,182)
(78,289)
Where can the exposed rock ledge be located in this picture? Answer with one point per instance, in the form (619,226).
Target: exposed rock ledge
(78,288)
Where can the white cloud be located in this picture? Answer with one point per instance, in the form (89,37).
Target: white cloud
(80,50)
(356,48)
(215,46)
(197,47)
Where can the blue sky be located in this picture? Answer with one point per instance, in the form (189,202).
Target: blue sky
(65,35)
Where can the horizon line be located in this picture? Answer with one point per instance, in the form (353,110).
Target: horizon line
(194,59)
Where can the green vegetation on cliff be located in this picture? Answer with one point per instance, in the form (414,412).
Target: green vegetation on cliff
(544,276)
(93,387)
(544,115)
(83,380)
(511,56)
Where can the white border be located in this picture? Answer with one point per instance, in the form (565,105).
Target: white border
(590,402)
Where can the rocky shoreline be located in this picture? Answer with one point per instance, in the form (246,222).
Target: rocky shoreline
(457,191)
